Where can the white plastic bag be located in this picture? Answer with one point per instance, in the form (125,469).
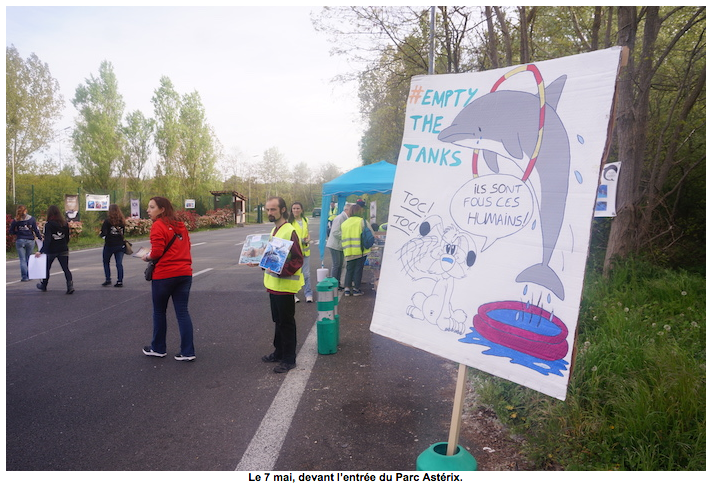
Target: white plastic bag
(37,267)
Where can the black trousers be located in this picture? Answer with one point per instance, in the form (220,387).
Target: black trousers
(285,327)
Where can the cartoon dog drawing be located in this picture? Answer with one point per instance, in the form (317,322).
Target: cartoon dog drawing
(441,254)
(515,125)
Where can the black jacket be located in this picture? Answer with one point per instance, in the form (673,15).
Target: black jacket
(56,238)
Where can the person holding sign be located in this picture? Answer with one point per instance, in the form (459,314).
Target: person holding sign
(282,287)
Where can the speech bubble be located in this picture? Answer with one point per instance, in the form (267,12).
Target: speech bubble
(493,206)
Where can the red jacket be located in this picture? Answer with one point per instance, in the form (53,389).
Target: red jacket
(177,261)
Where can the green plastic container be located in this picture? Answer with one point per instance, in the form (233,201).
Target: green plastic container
(436,458)
(327,336)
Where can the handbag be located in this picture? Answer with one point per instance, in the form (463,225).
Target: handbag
(148,272)
(128,250)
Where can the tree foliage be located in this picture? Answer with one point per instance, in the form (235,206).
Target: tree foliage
(98,137)
(32,105)
(138,134)
(187,148)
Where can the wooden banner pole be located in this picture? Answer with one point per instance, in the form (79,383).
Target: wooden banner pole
(456,420)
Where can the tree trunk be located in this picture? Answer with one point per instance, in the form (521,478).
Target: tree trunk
(506,37)
(523,36)
(491,39)
(623,228)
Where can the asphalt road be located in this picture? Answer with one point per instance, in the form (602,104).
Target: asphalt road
(80,394)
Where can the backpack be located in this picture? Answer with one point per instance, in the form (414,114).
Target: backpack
(367,238)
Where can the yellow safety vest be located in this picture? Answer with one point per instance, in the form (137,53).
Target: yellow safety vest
(351,231)
(333,212)
(302,232)
(289,284)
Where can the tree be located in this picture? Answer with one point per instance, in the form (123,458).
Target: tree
(661,86)
(187,147)
(395,50)
(198,148)
(138,133)
(98,138)
(32,106)
(166,105)
(272,170)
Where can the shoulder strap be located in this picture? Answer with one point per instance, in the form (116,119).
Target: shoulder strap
(167,247)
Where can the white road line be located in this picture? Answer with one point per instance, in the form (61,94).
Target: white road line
(196,244)
(264,448)
(203,271)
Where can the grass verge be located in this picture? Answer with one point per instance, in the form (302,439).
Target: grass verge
(637,393)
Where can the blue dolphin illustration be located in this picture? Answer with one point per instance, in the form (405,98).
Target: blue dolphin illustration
(506,124)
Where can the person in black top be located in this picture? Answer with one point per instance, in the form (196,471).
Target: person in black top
(56,246)
(112,231)
(24,227)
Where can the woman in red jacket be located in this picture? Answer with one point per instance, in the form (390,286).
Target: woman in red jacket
(172,278)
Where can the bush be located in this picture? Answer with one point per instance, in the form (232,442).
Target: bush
(137,226)
(189,218)
(9,239)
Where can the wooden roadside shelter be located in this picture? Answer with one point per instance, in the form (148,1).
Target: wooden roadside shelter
(239,204)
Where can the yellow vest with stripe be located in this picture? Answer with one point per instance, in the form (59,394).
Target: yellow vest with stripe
(289,284)
(351,231)
(302,232)
(333,212)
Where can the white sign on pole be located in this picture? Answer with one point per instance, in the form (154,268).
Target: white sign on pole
(97,202)
(607,190)
(490,215)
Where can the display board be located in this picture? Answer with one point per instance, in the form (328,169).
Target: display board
(490,215)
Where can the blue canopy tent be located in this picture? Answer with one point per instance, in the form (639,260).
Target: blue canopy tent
(374,178)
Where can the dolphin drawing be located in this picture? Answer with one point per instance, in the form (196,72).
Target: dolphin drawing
(506,124)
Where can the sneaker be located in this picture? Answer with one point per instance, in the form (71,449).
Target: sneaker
(184,358)
(284,367)
(24,280)
(309,299)
(106,283)
(347,292)
(151,353)
(270,358)
(356,292)
(119,284)
(296,299)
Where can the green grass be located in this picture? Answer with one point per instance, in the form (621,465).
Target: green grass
(636,398)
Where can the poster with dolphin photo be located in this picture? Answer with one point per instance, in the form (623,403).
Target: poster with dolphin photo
(490,216)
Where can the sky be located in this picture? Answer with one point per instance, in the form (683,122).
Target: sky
(264,74)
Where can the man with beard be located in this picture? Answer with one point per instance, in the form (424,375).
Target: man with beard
(282,287)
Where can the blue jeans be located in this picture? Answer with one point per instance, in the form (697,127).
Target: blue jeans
(177,288)
(307,278)
(118,253)
(24,250)
(354,272)
(337,262)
